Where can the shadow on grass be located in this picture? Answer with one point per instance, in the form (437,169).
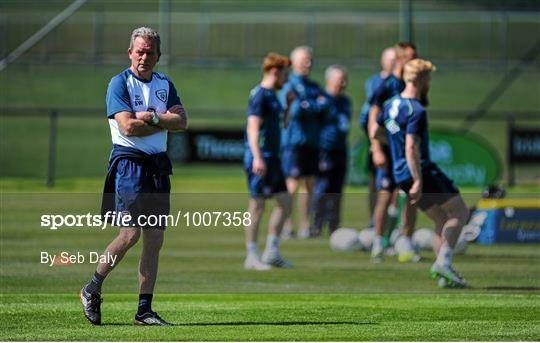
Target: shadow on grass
(488,256)
(256,323)
(510,288)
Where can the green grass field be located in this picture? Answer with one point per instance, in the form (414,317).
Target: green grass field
(270,317)
(203,287)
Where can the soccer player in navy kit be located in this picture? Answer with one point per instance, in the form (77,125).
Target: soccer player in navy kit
(300,151)
(141,107)
(406,126)
(262,164)
(335,128)
(384,183)
(388,59)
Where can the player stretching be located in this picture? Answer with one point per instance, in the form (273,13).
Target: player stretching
(141,106)
(262,164)
(405,122)
(391,86)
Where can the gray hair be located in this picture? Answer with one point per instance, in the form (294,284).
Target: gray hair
(146,33)
(332,68)
(305,48)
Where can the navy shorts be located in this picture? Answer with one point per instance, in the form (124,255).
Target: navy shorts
(383,176)
(370,166)
(271,183)
(437,187)
(369,163)
(300,162)
(142,194)
(332,171)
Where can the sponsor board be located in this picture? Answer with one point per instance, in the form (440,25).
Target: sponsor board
(218,146)
(509,221)
(465,158)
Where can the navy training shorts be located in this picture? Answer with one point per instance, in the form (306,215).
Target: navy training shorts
(437,188)
(384,180)
(300,162)
(271,183)
(142,193)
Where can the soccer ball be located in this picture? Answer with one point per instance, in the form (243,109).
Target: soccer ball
(365,237)
(423,239)
(345,239)
(442,283)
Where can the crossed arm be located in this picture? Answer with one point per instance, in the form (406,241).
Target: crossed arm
(140,124)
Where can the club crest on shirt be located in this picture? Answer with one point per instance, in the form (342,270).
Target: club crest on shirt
(161,95)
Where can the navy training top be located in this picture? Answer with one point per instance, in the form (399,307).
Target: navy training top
(371,85)
(264,103)
(304,122)
(336,123)
(402,116)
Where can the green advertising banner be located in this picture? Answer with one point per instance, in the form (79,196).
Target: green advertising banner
(466,158)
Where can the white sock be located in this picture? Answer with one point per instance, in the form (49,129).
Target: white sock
(393,211)
(444,258)
(408,244)
(272,243)
(251,249)
(377,243)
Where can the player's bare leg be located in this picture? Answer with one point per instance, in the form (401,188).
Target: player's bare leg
(148,265)
(304,206)
(256,211)
(456,213)
(372,197)
(292,185)
(380,215)
(280,213)
(288,227)
(438,216)
(127,237)
(90,294)
(409,221)
(148,268)
(271,253)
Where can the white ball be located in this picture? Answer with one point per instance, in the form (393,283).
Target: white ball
(345,239)
(365,237)
(443,283)
(423,239)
